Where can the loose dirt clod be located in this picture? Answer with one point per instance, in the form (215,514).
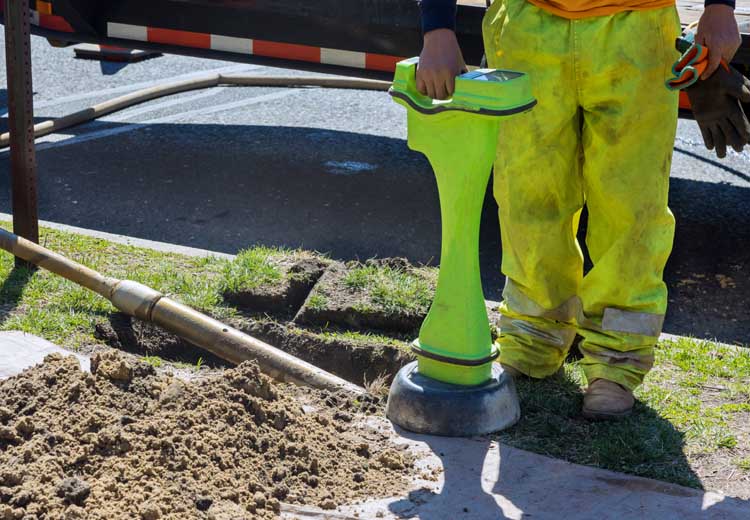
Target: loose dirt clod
(73,490)
(126,442)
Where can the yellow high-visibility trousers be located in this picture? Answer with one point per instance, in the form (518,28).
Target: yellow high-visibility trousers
(602,135)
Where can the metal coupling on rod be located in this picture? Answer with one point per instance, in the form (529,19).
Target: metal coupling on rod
(135,299)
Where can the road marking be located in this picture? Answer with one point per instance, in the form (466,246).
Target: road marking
(349,167)
(109,132)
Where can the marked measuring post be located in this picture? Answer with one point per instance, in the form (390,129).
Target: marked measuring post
(21,121)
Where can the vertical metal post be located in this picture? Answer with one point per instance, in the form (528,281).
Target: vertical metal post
(21,121)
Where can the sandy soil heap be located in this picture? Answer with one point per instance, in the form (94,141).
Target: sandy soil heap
(126,442)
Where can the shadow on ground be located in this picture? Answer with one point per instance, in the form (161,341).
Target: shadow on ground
(110,68)
(354,196)
(515,484)
(11,290)
(643,444)
(4,120)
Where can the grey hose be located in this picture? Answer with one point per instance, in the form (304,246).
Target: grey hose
(209,80)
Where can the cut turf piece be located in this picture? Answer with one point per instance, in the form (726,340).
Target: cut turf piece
(389,295)
(270,280)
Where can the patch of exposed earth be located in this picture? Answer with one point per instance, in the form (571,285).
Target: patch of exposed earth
(728,474)
(127,442)
(357,361)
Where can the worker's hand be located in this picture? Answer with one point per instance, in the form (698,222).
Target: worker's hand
(439,64)
(717,30)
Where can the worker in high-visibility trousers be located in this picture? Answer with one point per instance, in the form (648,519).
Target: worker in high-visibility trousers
(601,136)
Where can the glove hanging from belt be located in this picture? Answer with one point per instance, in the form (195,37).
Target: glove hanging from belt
(716,101)
(716,106)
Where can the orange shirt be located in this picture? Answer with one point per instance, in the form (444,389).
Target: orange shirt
(574,9)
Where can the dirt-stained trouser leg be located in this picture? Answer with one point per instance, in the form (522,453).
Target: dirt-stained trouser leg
(602,134)
(629,127)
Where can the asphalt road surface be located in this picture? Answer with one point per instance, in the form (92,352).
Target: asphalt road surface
(329,170)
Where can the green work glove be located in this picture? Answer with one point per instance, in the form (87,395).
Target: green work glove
(717,109)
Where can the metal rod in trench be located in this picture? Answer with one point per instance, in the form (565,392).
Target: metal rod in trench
(142,302)
(21,121)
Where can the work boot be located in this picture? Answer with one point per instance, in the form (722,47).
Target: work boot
(606,400)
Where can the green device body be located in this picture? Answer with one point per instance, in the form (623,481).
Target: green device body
(459,137)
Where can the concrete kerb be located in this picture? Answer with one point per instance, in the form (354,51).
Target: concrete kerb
(19,351)
(673,337)
(163,247)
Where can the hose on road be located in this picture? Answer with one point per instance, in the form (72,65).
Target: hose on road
(208,81)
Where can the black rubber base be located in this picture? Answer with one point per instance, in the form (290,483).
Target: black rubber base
(423,405)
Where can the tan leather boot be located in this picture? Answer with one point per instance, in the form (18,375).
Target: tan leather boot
(606,400)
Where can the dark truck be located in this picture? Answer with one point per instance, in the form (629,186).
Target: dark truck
(353,37)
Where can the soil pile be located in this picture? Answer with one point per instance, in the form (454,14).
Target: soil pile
(126,442)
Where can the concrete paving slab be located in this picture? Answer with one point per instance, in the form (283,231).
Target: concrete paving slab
(19,351)
(480,479)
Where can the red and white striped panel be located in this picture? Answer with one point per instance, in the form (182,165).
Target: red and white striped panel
(42,17)
(288,51)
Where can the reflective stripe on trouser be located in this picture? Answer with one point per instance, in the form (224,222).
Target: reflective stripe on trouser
(602,134)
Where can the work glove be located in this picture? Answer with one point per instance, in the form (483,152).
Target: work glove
(716,106)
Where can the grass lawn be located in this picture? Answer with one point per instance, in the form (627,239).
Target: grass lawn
(392,289)
(58,310)
(251,269)
(691,425)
